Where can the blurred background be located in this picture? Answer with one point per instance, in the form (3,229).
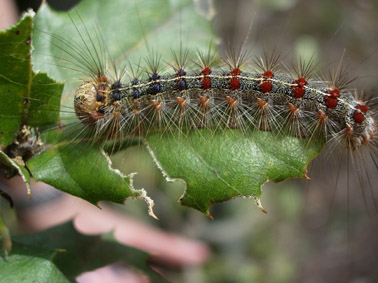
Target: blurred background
(314,231)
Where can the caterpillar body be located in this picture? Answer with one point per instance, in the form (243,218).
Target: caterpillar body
(126,107)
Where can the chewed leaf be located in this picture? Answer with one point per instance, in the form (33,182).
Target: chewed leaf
(60,168)
(85,171)
(219,167)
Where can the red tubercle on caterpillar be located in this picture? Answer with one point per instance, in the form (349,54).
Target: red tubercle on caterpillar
(358,115)
(206,71)
(332,98)
(205,80)
(265,83)
(268,74)
(234,79)
(335,93)
(331,102)
(301,82)
(299,90)
(363,108)
(235,72)
(266,86)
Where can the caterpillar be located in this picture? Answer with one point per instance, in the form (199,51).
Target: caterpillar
(132,107)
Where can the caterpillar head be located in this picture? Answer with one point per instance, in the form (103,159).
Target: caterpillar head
(90,101)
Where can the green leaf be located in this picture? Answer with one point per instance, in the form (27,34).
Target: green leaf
(30,264)
(26,98)
(44,105)
(15,77)
(139,28)
(90,176)
(61,170)
(220,166)
(78,253)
